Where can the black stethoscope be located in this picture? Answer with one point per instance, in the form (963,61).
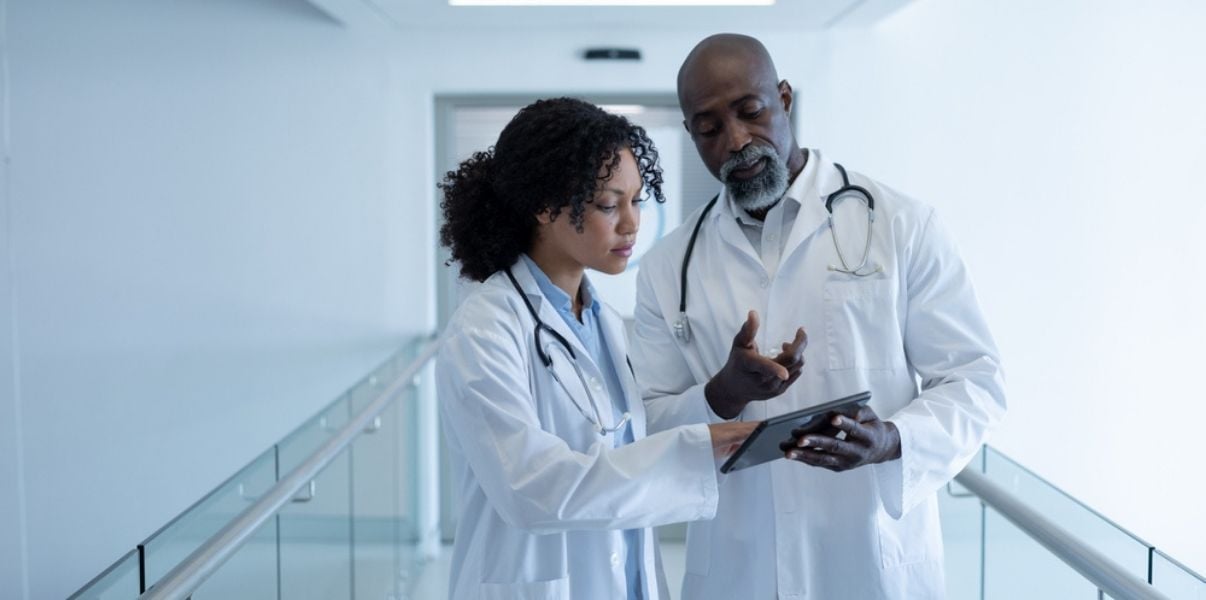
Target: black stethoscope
(682,327)
(546,357)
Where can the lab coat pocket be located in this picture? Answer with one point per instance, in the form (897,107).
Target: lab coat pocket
(911,539)
(861,327)
(556,589)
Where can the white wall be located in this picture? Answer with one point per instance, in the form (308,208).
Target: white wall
(11,492)
(1061,142)
(209,218)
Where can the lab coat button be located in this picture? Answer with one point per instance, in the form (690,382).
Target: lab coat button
(765,282)
(615,559)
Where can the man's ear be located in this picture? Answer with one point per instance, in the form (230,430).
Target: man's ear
(785,95)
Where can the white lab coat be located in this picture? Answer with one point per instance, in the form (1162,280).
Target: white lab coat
(787,530)
(544,497)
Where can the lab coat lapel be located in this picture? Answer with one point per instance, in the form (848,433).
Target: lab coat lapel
(813,217)
(613,333)
(725,223)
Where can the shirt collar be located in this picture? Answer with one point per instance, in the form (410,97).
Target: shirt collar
(557,296)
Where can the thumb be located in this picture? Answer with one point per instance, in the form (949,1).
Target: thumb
(745,337)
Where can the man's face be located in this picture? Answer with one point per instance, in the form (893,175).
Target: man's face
(738,117)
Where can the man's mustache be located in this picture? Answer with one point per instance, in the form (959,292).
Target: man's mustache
(747,155)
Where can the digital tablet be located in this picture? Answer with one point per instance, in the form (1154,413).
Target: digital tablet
(763,444)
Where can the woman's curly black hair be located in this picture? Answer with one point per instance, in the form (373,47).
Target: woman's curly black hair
(551,155)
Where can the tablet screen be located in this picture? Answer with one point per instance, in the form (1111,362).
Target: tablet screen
(763,444)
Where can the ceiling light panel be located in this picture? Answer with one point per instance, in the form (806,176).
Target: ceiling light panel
(611,2)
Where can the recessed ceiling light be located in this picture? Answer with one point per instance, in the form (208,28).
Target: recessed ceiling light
(623,109)
(611,2)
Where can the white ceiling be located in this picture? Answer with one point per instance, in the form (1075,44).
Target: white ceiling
(798,15)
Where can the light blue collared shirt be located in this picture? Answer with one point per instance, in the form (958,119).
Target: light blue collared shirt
(590,332)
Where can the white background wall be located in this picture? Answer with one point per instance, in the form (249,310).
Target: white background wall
(1061,142)
(208,223)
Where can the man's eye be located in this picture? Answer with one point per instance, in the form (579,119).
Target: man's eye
(751,114)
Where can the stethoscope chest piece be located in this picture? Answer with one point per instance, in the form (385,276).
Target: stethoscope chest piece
(682,328)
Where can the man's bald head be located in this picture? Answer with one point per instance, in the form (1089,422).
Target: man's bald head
(739,116)
(726,54)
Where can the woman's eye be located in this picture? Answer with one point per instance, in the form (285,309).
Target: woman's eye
(605,207)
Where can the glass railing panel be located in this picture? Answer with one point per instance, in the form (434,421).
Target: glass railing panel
(1096,531)
(385,491)
(378,516)
(1176,580)
(175,541)
(250,574)
(315,528)
(118,582)
(1016,566)
(961,515)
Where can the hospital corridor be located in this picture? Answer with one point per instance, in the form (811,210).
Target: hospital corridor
(602,299)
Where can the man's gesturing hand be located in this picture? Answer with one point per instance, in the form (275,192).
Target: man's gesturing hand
(748,375)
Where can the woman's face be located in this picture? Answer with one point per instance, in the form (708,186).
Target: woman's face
(609,224)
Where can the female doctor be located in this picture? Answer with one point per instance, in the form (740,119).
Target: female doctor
(559,483)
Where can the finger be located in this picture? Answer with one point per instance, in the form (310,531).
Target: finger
(789,360)
(791,379)
(818,459)
(781,386)
(830,445)
(794,367)
(749,329)
(854,429)
(865,414)
(798,344)
(765,367)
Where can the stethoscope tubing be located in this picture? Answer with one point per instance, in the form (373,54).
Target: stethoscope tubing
(546,358)
(682,326)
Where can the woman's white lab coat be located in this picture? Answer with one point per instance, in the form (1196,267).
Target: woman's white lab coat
(544,498)
(786,530)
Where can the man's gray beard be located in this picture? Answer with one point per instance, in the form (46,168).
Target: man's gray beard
(761,191)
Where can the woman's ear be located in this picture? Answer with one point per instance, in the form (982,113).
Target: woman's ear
(545,216)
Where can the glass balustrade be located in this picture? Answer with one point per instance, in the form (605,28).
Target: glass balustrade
(352,532)
(989,558)
(347,534)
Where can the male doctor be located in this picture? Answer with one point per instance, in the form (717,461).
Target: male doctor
(855,514)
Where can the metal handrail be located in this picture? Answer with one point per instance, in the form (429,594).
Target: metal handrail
(1099,569)
(187,576)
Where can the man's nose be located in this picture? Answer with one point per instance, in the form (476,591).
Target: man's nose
(737,138)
